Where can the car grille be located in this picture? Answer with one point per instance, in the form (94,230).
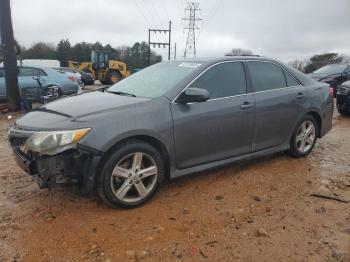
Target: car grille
(18,141)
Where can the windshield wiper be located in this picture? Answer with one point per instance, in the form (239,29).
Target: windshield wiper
(120,93)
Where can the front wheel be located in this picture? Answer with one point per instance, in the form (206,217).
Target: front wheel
(113,77)
(304,137)
(131,175)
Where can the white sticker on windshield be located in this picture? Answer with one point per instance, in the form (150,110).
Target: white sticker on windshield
(190,65)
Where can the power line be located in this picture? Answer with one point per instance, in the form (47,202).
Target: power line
(213,11)
(191,10)
(142,13)
(155,16)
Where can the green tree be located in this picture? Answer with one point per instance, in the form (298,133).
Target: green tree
(64,52)
(40,50)
(81,52)
(317,61)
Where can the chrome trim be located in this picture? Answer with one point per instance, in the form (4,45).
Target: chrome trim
(224,62)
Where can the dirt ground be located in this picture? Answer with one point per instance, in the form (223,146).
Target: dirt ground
(254,211)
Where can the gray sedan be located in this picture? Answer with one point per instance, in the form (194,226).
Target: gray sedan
(170,120)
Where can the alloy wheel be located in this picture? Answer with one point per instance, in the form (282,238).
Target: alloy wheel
(134,177)
(306,136)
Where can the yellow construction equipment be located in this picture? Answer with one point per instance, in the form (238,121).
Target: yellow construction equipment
(107,71)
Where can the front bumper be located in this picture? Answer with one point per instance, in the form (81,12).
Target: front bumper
(343,101)
(74,166)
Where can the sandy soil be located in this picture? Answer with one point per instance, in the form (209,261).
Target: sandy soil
(254,211)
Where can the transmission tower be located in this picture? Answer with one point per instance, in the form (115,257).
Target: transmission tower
(191,16)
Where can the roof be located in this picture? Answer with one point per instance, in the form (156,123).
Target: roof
(223,58)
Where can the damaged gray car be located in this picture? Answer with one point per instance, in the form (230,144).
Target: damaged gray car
(170,120)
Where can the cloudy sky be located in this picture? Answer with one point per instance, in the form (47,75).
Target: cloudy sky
(280,29)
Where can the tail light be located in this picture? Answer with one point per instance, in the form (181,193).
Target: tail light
(73,78)
(331,92)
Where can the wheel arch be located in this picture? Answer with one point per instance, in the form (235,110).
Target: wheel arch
(318,120)
(156,143)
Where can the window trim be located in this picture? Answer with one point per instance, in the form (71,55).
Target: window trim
(213,99)
(31,67)
(284,71)
(247,76)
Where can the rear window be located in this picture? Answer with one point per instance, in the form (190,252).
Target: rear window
(291,80)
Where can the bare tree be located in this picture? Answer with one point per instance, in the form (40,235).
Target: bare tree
(346,58)
(299,64)
(239,52)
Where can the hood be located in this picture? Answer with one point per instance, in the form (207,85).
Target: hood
(320,77)
(91,103)
(56,114)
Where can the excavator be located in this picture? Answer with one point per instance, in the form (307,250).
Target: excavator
(108,72)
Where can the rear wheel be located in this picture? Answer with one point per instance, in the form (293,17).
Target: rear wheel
(113,77)
(131,175)
(304,137)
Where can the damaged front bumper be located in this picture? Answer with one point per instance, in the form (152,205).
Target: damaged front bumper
(73,166)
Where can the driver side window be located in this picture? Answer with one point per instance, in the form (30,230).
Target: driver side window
(223,80)
(30,71)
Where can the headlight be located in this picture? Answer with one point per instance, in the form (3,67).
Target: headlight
(54,142)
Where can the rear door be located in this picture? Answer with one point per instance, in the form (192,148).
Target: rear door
(219,128)
(279,102)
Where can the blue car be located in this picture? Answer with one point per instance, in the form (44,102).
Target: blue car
(33,81)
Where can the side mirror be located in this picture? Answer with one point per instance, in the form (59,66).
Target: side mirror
(36,78)
(193,94)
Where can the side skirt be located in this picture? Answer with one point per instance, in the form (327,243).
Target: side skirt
(183,172)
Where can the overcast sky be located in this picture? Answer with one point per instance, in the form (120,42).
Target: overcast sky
(276,28)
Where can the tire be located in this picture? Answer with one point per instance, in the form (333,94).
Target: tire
(113,77)
(301,137)
(343,112)
(122,178)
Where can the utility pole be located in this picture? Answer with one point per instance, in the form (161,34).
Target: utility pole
(191,11)
(9,56)
(175,52)
(159,44)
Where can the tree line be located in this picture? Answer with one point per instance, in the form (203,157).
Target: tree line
(307,65)
(135,56)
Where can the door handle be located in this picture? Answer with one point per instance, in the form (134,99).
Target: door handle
(300,96)
(246,106)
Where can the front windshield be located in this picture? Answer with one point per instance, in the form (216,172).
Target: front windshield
(331,69)
(156,80)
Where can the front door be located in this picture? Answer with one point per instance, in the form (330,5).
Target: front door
(30,87)
(219,128)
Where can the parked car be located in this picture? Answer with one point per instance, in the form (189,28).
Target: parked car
(343,98)
(86,78)
(34,80)
(333,74)
(169,120)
